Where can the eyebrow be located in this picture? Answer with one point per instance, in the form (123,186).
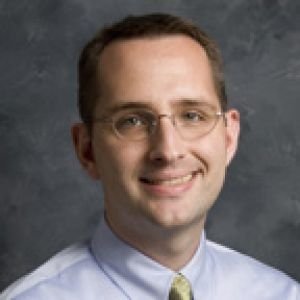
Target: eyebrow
(194,102)
(147,105)
(127,105)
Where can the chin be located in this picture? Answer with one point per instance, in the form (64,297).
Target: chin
(170,220)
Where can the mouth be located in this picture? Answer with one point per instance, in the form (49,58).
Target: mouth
(171,181)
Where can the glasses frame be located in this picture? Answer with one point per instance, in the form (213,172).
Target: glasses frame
(111,120)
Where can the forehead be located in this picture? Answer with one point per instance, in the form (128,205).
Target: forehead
(159,70)
(164,45)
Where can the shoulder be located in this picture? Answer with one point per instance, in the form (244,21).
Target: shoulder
(244,274)
(51,272)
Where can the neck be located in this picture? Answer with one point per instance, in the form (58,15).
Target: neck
(171,247)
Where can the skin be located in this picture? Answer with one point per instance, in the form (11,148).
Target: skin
(161,220)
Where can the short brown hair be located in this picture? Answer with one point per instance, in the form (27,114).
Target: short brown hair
(151,25)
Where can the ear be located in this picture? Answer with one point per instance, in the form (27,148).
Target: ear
(232,133)
(82,141)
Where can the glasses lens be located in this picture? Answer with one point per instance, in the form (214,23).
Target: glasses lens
(196,121)
(133,125)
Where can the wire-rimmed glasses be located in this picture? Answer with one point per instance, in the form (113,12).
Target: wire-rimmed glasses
(191,122)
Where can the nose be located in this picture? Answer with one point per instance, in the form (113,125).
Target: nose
(166,144)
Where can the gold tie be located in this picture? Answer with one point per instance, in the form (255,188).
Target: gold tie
(180,289)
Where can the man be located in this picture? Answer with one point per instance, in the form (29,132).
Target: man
(157,133)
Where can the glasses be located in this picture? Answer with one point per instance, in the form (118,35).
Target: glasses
(138,123)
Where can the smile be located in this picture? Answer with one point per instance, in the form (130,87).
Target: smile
(171,181)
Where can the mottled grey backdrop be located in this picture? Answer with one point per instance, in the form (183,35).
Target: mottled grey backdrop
(47,202)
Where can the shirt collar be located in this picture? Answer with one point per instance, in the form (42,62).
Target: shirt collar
(137,275)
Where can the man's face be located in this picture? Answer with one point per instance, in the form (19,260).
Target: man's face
(163,180)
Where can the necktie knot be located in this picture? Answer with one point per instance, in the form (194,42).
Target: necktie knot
(180,289)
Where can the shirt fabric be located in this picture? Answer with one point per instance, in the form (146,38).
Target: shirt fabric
(108,268)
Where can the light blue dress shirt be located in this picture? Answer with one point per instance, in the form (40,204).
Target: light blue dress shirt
(109,269)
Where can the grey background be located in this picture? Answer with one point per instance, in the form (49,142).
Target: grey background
(46,200)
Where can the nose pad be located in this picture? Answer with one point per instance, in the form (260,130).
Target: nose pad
(166,143)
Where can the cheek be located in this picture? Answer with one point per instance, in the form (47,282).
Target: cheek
(211,150)
(118,160)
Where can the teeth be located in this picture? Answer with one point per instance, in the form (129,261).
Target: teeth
(174,181)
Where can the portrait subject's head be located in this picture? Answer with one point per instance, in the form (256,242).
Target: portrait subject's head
(156,130)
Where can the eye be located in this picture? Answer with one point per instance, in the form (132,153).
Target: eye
(193,116)
(130,121)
